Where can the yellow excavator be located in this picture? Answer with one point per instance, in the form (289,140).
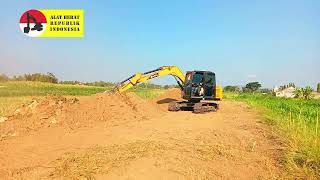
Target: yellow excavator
(198,88)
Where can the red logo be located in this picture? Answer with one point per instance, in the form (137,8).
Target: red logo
(33,23)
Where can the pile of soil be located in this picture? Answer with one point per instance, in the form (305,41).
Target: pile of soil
(53,111)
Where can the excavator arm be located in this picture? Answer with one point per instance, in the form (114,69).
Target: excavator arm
(142,77)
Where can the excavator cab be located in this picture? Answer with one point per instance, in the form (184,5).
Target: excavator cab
(199,85)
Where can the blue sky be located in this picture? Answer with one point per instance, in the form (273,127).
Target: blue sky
(274,42)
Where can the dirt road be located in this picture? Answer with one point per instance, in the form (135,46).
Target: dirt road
(140,141)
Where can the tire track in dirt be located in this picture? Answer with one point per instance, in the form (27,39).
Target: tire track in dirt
(143,141)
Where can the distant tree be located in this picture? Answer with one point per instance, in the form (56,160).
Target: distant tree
(52,78)
(252,87)
(287,86)
(307,93)
(4,77)
(298,92)
(231,89)
(291,85)
(49,77)
(318,88)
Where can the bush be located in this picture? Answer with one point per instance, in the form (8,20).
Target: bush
(231,89)
(49,77)
(318,88)
(252,87)
(305,93)
(298,92)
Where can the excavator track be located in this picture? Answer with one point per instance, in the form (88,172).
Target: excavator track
(174,106)
(200,108)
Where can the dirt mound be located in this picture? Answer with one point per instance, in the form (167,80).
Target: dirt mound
(173,94)
(108,107)
(33,115)
(77,112)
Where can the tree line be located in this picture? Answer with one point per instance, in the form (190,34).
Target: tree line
(51,78)
(252,87)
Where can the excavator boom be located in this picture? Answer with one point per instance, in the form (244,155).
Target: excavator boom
(142,77)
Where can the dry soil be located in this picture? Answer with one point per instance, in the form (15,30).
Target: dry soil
(113,136)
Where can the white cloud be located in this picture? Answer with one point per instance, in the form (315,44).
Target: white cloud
(252,76)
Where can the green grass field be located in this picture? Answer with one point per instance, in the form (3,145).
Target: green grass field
(147,93)
(14,89)
(297,121)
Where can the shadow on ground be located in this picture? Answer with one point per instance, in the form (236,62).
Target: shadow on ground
(166,100)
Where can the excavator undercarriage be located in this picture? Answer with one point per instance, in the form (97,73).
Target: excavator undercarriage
(198,108)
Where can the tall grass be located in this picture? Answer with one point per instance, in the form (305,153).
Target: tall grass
(298,122)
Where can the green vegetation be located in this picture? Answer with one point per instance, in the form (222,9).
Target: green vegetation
(232,89)
(96,83)
(252,87)
(23,88)
(297,120)
(49,77)
(147,93)
(318,88)
(305,93)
